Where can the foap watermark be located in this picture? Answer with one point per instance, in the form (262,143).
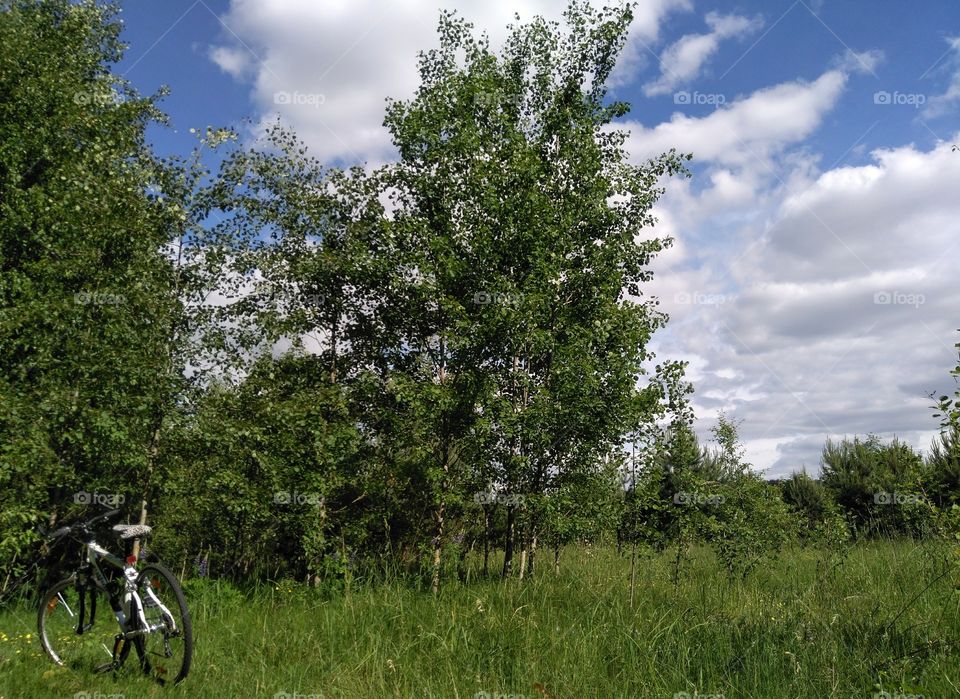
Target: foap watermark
(97,298)
(491,497)
(293,497)
(291,299)
(885,498)
(496,98)
(708,98)
(685,498)
(296,695)
(486,298)
(483,694)
(895,695)
(309,99)
(900,99)
(696,695)
(97,98)
(898,298)
(97,695)
(695,298)
(103,499)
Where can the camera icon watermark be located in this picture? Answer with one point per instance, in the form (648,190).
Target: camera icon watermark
(495,98)
(82,497)
(296,98)
(490,497)
(695,298)
(899,99)
(714,99)
(685,498)
(96,298)
(99,98)
(696,695)
(486,298)
(884,498)
(293,497)
(898,298)
(296,695)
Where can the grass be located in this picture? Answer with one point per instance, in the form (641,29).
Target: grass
(881,621)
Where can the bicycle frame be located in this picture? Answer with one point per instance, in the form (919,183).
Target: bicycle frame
(131,601)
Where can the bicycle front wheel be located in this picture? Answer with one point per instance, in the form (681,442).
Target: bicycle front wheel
(58,621)
(166,648)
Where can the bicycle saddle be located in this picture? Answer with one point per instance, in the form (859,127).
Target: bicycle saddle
(132,531)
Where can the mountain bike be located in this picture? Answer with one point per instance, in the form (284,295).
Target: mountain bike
(145,598)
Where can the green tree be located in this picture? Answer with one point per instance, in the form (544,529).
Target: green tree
(86,281)
(879,486)
(521,214)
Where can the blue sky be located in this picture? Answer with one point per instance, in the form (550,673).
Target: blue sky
(811,283)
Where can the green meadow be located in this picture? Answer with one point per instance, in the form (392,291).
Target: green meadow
(882,618)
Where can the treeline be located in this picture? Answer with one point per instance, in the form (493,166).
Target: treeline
(286,366)
(308,372)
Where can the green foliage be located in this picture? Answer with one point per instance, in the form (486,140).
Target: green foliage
(749,524)
(878,486)
(941,478)
(744,517)
(87,289)
(809,498)
(949,407)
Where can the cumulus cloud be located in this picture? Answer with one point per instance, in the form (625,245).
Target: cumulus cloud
(810,303)
(842,316)
(684,60)
(749,128)
(327,67)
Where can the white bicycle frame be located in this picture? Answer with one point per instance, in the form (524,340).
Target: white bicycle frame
(132,602)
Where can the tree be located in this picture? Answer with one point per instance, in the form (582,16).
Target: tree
(521,215)
(879,486)
(85,276)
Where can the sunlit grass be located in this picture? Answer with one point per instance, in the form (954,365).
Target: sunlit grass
(881,620)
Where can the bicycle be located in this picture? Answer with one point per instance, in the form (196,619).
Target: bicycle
(146,600)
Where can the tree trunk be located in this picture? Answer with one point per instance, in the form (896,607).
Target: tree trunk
(508,542)
(533,553)
(486,541)
(145,492)
(437,547)
(438,523)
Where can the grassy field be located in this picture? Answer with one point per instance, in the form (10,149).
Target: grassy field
(884,620)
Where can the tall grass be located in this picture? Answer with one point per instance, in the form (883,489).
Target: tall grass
(885,619)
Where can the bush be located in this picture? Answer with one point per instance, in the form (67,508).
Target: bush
(749,523)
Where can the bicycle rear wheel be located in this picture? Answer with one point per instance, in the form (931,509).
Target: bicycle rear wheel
(165,654)
(58,619)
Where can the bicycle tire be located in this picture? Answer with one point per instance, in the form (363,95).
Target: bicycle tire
(57,620)
(164,584)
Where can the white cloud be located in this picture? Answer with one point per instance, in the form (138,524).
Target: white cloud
(683,60)
(338,61)
(860,62)
(749,129)
(841,299)
(938,105)
(233,61)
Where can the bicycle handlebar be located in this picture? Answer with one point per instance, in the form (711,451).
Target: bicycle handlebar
(81,526)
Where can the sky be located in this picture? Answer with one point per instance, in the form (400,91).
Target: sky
(810,284)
